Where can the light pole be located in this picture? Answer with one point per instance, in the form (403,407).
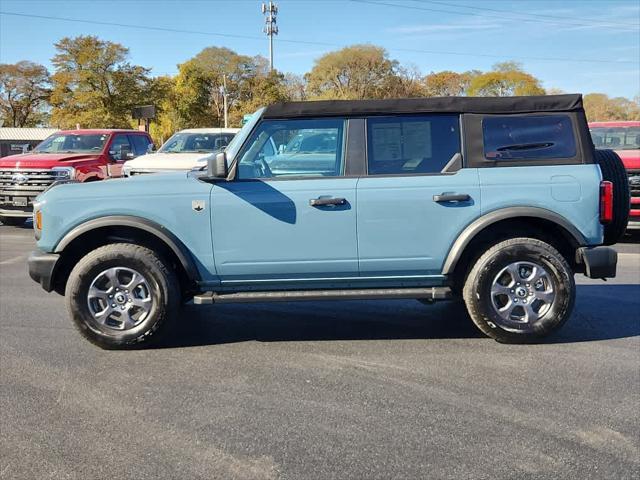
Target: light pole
(223,92)
(271,28)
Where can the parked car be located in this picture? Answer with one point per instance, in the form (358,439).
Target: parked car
(624,138)
(82,155)
(497,201)
(185,150)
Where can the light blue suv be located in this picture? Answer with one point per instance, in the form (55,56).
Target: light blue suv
(498,201)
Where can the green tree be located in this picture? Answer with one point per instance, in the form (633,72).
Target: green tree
(167,120)
(199,83)
(355,72)
(24,90)
(505,80)
(94,85)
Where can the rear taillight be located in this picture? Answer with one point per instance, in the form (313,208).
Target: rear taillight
(606,202)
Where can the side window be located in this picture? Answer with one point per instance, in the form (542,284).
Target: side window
(294,148)
(120,147)
(140,144)
(411,144)
(528,137)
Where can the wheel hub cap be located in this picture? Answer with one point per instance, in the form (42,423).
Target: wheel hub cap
(521,294)
(119,298)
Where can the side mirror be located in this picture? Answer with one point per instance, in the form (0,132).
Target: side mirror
(217,166)
(150,148)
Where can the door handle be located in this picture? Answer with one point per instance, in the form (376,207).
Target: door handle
(327,201)
(451,197)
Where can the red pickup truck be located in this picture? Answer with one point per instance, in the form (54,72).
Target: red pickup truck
(82,155)
(624,138)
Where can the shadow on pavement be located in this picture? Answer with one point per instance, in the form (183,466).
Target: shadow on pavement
(602,312)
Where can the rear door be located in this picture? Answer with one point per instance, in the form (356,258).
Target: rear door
(410,211)
(290,213)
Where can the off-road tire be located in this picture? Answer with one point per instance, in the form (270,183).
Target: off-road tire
(164,291)
(613,171)
(477,288)
(13,221)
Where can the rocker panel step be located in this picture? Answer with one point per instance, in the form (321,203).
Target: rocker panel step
(431,293)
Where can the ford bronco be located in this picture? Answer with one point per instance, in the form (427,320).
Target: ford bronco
(496,201)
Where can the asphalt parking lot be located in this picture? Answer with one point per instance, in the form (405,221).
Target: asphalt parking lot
(378,389)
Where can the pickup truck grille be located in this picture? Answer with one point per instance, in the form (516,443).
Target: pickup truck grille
(17,185)
(634,182)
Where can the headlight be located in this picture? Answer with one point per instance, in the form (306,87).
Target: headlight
(64,173)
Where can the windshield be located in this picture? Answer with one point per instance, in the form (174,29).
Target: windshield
(238,140)
(183,142)
(73,143)
(616,138)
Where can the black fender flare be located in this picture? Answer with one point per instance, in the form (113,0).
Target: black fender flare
(467,235)
(164,235)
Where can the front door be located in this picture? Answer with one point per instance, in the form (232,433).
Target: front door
(290,213)
(410,211)
(120,151)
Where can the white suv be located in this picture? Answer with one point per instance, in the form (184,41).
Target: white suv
(185,150)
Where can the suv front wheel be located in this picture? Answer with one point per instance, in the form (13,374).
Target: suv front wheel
(520,290)
(122,295)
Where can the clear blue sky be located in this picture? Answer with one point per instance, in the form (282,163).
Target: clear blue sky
(431,35)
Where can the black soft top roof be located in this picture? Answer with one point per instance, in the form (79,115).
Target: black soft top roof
(321,108)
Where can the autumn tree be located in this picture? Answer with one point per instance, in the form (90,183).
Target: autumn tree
(505,80)
(448,83)
(94,85)
(264,90)
(600,107)
(296,87)
(355,72)
(24,89)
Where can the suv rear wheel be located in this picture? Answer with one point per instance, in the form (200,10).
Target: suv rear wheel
(122,295)
(520,290)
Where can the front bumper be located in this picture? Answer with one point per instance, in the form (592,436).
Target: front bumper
(42,266)
(22,212)
(634,224)
(599,262)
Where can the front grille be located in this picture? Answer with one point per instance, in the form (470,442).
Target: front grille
(13,183)
(634,182)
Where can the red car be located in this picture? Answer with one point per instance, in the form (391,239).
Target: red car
(82,155)
(624,138)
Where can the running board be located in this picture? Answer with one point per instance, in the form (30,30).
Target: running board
(429,293)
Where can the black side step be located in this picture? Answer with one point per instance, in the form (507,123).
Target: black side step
(429,293)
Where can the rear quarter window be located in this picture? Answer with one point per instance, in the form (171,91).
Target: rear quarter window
(528,137)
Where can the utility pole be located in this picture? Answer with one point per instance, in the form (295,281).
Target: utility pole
(271,28)
(223,91)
